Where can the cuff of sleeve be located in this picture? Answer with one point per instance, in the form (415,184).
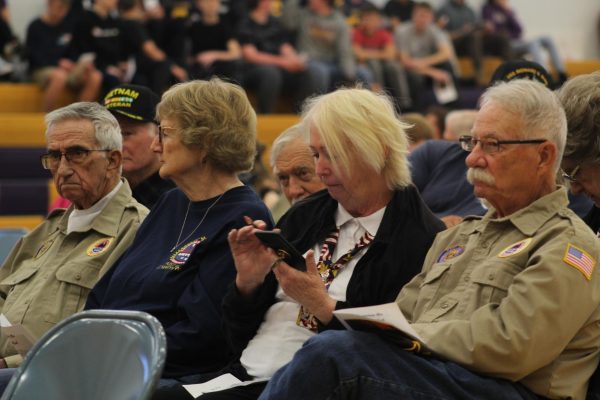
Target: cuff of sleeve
(13,361)
(334,323)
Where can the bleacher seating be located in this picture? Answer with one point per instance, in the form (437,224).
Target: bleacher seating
(24,186)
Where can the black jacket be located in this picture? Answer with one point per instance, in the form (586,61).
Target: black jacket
(396,255)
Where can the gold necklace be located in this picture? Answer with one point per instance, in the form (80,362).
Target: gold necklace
(178,242)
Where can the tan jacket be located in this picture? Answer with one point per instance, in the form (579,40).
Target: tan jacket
(49,274)
(515,297)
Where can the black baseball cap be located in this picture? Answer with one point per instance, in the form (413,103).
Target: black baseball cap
(522,69)
(135,102)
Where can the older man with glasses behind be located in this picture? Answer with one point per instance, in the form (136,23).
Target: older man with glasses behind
(50,271)
(508,304)
(580,97)
(134,106)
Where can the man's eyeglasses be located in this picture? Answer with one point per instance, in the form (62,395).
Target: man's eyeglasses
(491,145)
(161,132)
(570,176)
(75,155)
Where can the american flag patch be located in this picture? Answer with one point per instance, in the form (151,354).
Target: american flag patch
(580,260)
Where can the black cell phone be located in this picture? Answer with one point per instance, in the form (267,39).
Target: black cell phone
(283,248)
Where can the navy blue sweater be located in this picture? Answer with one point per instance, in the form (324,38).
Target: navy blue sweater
(183,288)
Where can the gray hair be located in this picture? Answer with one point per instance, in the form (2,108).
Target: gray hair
(580,97)
(291,134)
(459,122)
(106,128)
(539,108)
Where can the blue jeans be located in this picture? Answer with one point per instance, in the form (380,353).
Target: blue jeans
(359,365)
(5,376)
(535,46)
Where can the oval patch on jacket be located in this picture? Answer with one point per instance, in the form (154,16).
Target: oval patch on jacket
(99,247)
(450,253)
(515,248)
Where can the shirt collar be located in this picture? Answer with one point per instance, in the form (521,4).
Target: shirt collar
(370,223)
(104,223)
(529,219)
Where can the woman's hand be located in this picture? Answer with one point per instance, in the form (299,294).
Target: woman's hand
(253,260)
(307,288)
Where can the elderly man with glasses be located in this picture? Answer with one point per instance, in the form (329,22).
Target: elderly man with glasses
(580,97)
(50,272)
(507,304)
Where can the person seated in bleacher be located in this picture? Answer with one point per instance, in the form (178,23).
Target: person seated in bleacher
(179,265)
(9,43)
(272,66)
(398,11)
(364,238)
(580,96)
(374,49)
(323,36)
(153,68)
(425,51)
(47,41)
(98,38)
(294,167)
(501,18)
(439,171)
(51,270)
(470,37)
(134,107)
(507,305)
(214,48)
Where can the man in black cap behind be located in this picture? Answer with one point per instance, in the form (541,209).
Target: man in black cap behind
(522,69)
(134,107)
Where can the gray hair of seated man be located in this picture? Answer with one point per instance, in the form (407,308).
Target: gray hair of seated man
(537,107)
(291,134)
(106,128)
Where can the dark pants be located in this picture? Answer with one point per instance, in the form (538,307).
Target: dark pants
(268,82)
(359,365)
(477,44)
(420,84)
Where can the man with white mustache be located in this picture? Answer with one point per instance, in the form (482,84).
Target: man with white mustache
(508,304)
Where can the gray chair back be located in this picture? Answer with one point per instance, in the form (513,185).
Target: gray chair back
(93,355)
(8,238)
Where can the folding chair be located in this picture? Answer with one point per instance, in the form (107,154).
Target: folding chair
(93,355)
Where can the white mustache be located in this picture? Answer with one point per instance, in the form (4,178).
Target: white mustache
(481,175)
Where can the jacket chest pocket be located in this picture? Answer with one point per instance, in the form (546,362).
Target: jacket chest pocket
(491,283)
(432,284)
(73,282)
(16,283)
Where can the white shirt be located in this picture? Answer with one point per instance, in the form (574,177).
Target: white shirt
(80,220)
(279,337)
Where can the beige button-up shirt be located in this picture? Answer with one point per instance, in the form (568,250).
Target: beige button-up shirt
(49,273)
(515,297)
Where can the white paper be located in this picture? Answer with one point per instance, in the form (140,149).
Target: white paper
(219,383)
(4,322)
(223,382)
(388,314)
(445,92)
